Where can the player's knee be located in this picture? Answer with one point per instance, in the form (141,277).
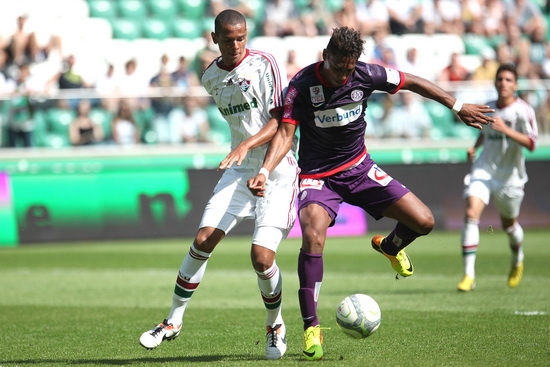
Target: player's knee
(427,223)
(313,240)
(262,258)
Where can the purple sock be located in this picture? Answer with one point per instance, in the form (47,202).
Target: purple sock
(310,273)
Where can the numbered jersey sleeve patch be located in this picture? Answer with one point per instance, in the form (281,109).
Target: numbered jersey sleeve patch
(377,174)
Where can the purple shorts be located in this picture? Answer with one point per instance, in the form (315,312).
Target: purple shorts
(365,186)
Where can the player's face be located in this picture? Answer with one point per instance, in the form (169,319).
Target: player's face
(506,84)
(231,41)
(336,69)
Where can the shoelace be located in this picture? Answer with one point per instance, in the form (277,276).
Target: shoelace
(272,335)
(160,328)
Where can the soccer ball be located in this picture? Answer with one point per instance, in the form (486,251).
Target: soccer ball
(358,316)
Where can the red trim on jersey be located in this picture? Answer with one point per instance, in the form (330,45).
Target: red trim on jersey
(287,120)
(403,78)
(337,169)
(229,68)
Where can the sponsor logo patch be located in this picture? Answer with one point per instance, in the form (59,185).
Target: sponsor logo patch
(378,175)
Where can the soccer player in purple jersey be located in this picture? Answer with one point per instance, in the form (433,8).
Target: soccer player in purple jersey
(328,101)
(499,174)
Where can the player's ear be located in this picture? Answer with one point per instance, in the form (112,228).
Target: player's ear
(214,37)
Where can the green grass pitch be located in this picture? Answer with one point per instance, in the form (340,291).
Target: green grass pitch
(86,304)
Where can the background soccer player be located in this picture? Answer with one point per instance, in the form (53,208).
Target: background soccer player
(328,101)
(499,173)
(248,88)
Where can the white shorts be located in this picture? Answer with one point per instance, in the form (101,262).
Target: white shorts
(507,199)
(232,202)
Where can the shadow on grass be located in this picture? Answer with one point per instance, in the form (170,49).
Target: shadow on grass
(127,362)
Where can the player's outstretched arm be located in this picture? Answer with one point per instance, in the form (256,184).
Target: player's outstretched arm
(474,115)
(278,148)
(266,133)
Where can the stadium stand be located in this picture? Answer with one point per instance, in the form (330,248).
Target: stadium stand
(102,32)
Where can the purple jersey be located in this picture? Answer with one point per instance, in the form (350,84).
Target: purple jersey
(332,119)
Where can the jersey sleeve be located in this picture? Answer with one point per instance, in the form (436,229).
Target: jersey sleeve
(385,79)
(529,125)
(276,82)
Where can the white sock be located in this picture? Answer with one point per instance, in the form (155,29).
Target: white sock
(270,283)
(515,235)
(470,242)
(190,275)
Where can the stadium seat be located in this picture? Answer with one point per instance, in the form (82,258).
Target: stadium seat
(102,9)
(156,29)
(474,44)
(163,9)
(127,29)
(52,140)
(186,28)
(58,121)
(258,7)
(334,5)
(132,9)
(192,9)
(442,117)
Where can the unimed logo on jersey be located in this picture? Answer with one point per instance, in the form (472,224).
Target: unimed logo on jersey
(232,110)
(340,116)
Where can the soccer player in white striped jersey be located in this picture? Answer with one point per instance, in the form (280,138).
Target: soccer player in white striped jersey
(499,174)
(248,88)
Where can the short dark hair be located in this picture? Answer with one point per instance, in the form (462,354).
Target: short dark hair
(508,67)
(346,42)
(228,16)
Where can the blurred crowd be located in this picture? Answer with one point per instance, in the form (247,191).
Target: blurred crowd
(124,107)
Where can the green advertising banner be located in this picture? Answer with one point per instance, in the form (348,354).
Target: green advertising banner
(72,195)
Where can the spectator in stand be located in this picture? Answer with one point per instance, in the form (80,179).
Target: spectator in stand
(413,66)
(493,18)
(133,87)
(448,17)
(217,6)
(107,88)
(488,68)
(472,16)
(20,111)
(19,43)
(526,15)
(537,45)
(124,128)
(347,16)
(7,83)
(454,71)
(183,77)
(281,19)
(69,79)
(406,107)
(386,58)
(162,102)
(316,19)
(191,122)
(405,16)
(205,55)
(375,17)
(83,130)
(518,49)
(292,66)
